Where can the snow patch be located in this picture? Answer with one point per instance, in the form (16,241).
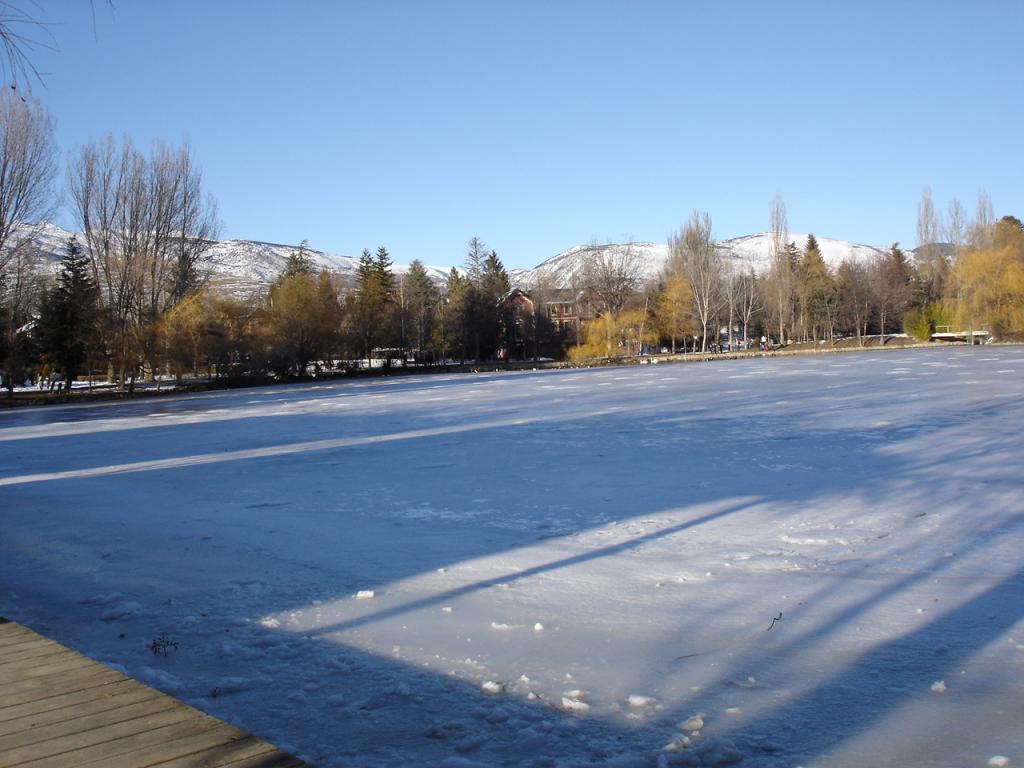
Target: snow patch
(692,724)
(639,702)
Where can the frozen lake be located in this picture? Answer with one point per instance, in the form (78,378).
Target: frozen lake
(822,557)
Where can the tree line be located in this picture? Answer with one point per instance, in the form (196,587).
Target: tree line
(967,274)
(132,298)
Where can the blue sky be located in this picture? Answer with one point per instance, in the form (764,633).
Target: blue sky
(541,125)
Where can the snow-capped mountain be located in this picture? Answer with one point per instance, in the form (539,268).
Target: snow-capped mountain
(239,266)
(566,269)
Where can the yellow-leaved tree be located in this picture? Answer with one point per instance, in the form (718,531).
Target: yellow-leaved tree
(673,309)
(615,335)
(989,283)
(184,332)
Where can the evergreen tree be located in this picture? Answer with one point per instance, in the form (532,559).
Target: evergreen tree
(496,317)
(815,291)
(68,329)
(455,317)
(365,270)
(421,299)
(372,300)
(299,261)
(382,266)
(475,256)
(494,279)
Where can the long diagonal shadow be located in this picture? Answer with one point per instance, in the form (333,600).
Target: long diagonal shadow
(526,573)
(869,689)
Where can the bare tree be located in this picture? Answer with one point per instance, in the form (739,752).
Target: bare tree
(984,221)
(27,167)
(20,34)
(889,286)
(147,225)
(854,302)
(694,255)
(612,275)
(195,227)
(929,258)
(748,298)
(782,265)
(20,289)
(956,226)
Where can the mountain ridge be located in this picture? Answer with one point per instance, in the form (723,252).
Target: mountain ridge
(243,266)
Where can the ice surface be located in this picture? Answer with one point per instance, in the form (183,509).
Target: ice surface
(798,550)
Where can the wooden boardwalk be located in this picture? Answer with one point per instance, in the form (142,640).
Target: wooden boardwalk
(59,709)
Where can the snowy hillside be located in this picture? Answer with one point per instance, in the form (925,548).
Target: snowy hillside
(238,265)
(566,269)
(245,265)
(249,264)
(755,250)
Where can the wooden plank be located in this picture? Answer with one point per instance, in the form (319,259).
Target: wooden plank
(185,751)
(61,700)
(25,691)
(61,665)
(10,630)
(104,751)
(218,755)
(40,642)
(76,743)
(92,721)
(12,636)
(13,640)
(130,694)
(33,651)
(59,708)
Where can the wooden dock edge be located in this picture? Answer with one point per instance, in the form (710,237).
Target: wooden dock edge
(59,708)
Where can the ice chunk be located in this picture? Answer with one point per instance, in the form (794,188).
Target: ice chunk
(641,701)
(692,724)
(574,705)
(677,744)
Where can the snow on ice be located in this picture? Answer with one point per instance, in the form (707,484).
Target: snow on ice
(821,556)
